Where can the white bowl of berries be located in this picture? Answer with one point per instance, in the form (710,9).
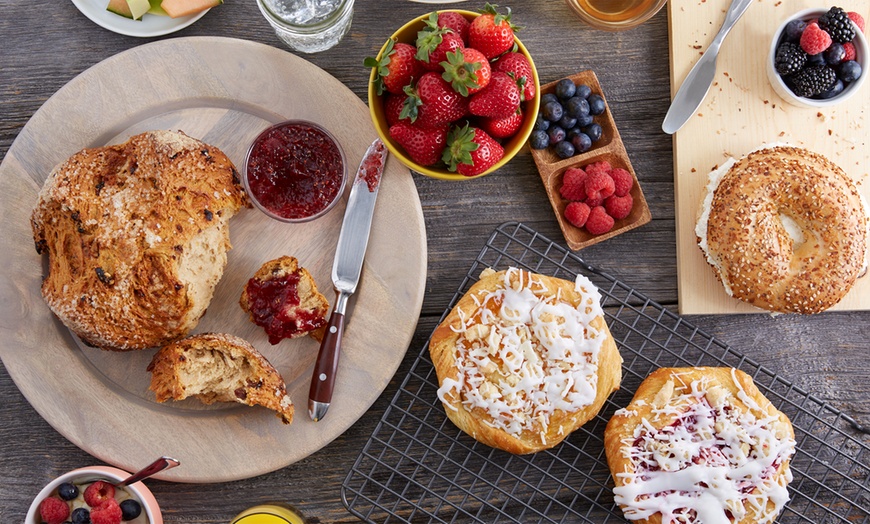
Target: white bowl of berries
(87,495)
(454,94)
(818,57)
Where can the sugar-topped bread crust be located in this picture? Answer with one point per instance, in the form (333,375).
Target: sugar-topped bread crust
(301,311)
(136,236)
(736,427)
(217,367)
(535,425)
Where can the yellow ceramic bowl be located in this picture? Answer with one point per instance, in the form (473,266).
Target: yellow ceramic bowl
(408,34)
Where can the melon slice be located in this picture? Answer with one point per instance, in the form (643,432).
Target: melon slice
(119,7)
(156,9)
(138,8)
(176,8)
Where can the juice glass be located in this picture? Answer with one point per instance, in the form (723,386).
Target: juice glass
(615,15)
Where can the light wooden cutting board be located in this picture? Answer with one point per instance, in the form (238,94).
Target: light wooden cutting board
(742,112)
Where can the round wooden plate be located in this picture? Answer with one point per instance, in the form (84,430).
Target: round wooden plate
(222,91)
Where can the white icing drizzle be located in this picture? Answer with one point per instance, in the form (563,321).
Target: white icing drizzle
(525,354)
(708,461)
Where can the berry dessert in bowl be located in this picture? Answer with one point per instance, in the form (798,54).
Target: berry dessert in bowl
(295,171)
(818,57)
(88,495)
(454,94)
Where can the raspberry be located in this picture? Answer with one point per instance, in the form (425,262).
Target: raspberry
(599,184)
(573,184)
(599,222)
(577,213)
(618,207)
(815,39)
(622,181)
(109,512)
(858,19)
(99,492)
(53,510)
(603,167)
(593,202)
(849,47)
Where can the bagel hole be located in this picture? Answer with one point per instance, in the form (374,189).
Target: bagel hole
(794,231)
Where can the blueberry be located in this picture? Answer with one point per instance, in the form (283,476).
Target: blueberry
(67,491)
(541,124)
(849,71)
(564,149)
(574,131)
(584,120)
(130,509)
(815,60)
(834,90)
(552,111)
(581,142)
(577,106)
(583,91)
(547,98)
(794,30)
(556,134)
(539,139)
(567,122)
(81,516)
(596,105)
(565,89)
(594,132)
(834,54)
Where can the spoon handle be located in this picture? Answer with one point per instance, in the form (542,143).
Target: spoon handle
(151,469)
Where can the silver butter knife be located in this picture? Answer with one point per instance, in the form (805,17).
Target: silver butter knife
(346,270)
(697,83)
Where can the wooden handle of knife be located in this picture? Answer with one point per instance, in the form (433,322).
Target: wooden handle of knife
(323,379)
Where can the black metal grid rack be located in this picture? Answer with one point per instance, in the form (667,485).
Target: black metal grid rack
(418,467)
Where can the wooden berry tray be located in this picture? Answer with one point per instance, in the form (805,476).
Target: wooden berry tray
(610,148)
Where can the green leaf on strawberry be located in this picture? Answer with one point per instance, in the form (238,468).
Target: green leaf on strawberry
(462,75)
(460,144)
(382,65)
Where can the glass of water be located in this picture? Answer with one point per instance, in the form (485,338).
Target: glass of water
(308,26)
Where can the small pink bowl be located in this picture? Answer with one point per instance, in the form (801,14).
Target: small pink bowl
(90,474)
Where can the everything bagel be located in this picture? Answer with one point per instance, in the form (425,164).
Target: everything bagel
(785,229)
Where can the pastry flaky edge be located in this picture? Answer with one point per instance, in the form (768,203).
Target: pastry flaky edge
(474,421)
(665,384)
(217,367)
(310,299)
(136,236)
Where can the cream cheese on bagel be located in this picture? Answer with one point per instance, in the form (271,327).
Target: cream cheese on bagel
(784,229)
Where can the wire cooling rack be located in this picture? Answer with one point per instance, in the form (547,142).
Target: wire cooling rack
(418,467)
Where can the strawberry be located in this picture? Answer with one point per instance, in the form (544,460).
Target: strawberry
(433,44)
(499,99)
(396,68)
(424,146)
(502,127)
(456,22)
(492,33)
(467,70)
(518,65)
(393,105)
(470,151)
(433,103)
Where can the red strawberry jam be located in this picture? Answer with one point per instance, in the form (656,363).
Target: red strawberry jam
(295,170)
(272,305)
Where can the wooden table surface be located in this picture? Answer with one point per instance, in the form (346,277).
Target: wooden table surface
(48,42)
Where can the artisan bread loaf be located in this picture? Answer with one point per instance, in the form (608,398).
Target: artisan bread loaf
(216,367)
(524,359)
(282,298)
(136,236)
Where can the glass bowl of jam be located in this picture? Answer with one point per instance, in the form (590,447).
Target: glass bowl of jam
(295,171)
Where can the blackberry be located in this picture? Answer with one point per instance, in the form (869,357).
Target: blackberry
(790,58)
(833,91)
(812,81)
(837,24)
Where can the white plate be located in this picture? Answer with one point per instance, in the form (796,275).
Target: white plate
(149,25)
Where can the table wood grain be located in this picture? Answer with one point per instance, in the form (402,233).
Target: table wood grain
(46,43)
